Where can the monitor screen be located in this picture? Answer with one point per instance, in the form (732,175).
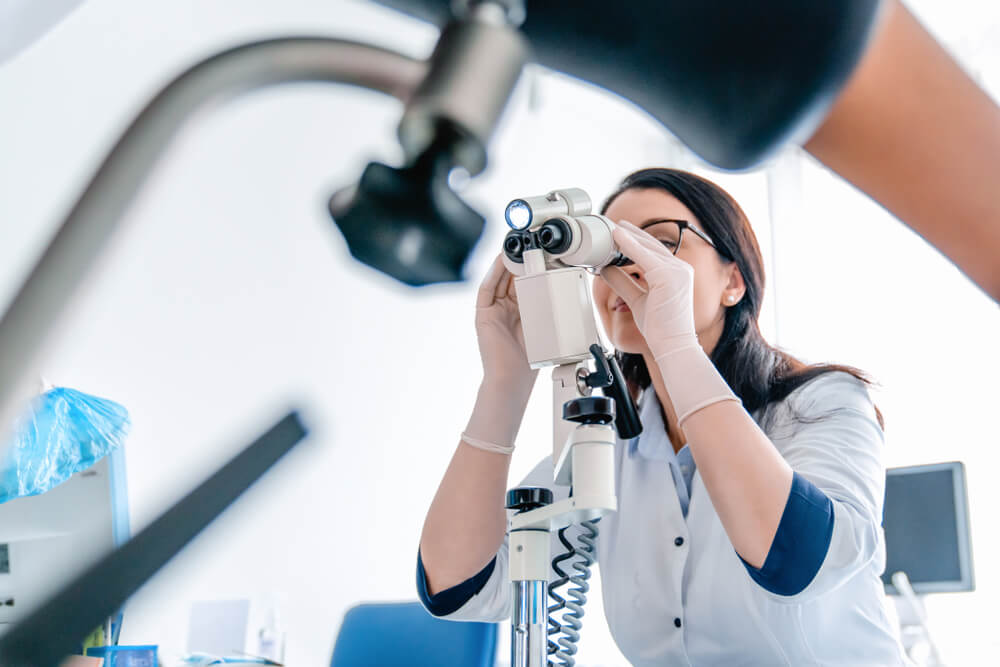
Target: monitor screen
(927,529)
(47,538)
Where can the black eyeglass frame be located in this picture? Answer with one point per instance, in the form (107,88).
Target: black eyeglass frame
(681,226)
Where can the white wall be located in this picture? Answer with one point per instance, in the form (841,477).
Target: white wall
(230,296)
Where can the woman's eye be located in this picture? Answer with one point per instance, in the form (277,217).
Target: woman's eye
(669,244)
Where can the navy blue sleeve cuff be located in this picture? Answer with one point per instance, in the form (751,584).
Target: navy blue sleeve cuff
(801,543)
(451,599)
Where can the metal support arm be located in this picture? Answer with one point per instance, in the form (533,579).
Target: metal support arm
(76,247)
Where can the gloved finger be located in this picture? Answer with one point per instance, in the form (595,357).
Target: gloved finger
(623,284)
(494,285)
(664,265)
(644,257)
(645,238)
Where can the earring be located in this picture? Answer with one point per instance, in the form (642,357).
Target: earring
(731,298)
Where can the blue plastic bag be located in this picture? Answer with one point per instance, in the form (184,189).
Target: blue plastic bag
(64,431)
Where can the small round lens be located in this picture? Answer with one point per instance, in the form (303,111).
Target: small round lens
(518,214)
(555,236)
(512,246)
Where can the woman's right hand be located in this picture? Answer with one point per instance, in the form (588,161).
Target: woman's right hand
(499,330)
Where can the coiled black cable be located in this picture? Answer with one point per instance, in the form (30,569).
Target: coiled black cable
(562,650)
(554,626)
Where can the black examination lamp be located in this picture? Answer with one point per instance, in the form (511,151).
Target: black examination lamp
(732,80)
(407,222)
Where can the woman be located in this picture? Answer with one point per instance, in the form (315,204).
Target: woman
(749,521)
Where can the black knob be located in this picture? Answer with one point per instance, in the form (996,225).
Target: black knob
(590,410)
(526,498)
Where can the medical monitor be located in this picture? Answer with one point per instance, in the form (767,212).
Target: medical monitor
(926,522)
(47,539)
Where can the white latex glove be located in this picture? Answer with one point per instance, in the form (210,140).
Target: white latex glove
(507,376)
(664,313)
(499,330)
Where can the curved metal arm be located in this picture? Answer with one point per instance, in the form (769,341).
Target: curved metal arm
(89,226)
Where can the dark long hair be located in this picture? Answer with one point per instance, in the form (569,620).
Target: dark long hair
(759,373)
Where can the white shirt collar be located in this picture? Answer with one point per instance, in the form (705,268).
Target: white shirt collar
(653,443)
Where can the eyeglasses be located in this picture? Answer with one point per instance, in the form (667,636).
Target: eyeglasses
(671,232)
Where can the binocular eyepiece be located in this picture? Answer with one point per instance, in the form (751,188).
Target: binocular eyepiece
(561,225)
(555,236)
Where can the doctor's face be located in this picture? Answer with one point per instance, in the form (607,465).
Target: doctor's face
(712,274)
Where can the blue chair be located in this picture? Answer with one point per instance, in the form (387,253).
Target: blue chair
(404,633)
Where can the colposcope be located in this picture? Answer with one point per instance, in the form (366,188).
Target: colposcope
(554,242)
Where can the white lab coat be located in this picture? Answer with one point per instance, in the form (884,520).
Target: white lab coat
(726,618)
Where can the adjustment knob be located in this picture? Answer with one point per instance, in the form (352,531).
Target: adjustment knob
(590,410)
(526,498)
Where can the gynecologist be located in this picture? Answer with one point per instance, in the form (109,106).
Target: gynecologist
(748,529)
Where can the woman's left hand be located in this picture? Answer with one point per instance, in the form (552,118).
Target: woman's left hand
(664,310)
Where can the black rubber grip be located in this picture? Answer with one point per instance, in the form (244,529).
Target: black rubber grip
(627,418)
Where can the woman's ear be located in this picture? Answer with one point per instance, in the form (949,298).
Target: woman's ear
(735,287)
